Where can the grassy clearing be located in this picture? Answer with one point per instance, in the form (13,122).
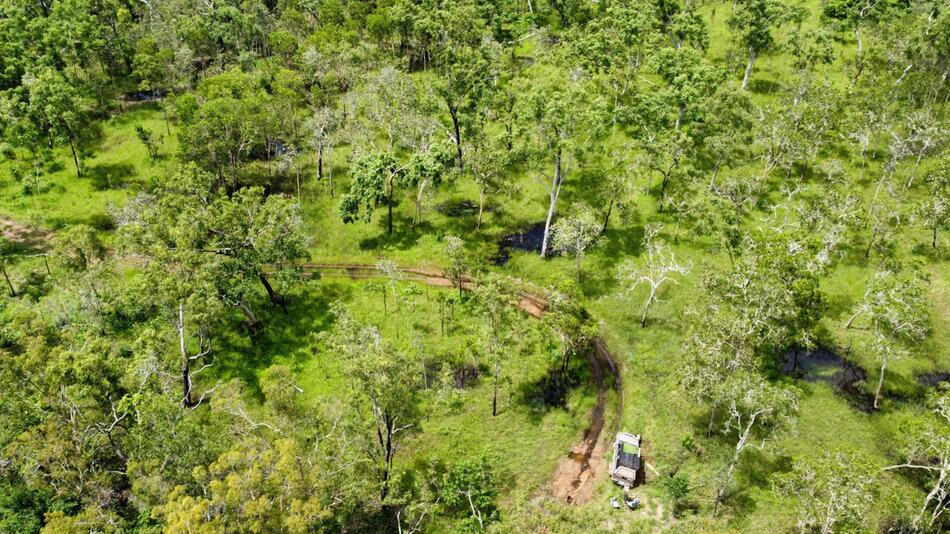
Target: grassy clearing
(119,165)
(527,443)
(525,439)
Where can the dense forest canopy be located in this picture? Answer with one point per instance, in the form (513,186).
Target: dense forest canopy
(410,265)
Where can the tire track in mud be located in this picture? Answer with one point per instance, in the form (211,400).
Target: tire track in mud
(576,474)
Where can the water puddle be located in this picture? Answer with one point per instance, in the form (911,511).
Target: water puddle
(931,380)
(528,240)
(823,365)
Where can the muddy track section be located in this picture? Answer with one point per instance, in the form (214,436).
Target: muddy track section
(577,473)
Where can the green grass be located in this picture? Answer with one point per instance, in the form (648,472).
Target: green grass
(529,444)
(118,167)
(526,438)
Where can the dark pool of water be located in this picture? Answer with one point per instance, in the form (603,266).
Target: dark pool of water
(144,96)
(823,365)
(932,379)
(529,240)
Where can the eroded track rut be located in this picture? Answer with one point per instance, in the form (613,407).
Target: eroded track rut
(576,474)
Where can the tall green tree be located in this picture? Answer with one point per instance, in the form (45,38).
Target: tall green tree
(386,385)
(56,108)
(833,489)
(494,298)
(752,23)
(564,117)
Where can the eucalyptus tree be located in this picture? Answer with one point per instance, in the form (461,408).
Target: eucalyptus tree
(897,306)
(55,108)
(385,379)
(726,129)
(393,275)
(241,240)
(833,489)
(659,268)
(682,23)
(224,123)
(668,153)
(154,67)
(392,106)
(323,128)
(928,453)
(884,350)
(617,184)
(569,323)
(895,301)
(574,234)
(72,442)
(925,135)
(487,164)
(495,296)
(284,498)
(810,48)
(933,210)
(471,488)
(690,80)
(856,16)
(288,163)
(721,216)
(755,408)
(458,260)
(770,300)
(465,63)
(375,177)
(752,22)
(564,116)
(613,47)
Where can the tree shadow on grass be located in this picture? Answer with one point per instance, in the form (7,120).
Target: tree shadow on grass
(933,255)
(104,176)
(764,86)
(599,277)
(839,304)
(278,337)
(404,236)
(758,466)
(551,390)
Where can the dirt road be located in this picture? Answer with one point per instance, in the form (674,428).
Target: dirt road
(587,461)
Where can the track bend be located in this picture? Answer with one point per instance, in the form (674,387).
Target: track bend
(576,474)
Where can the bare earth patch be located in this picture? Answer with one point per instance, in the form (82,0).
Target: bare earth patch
(577,474)
(14,231)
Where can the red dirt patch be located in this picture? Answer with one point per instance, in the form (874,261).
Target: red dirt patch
(20,233)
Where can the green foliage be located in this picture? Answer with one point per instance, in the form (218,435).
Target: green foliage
(147,386)
(469,489)
(146,137)
(677,489)
(21,509)
(833,489)
(371,184)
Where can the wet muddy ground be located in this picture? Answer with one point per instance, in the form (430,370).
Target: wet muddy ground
(823,365)
(528,240)
(931,380)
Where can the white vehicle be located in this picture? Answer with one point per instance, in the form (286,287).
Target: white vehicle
(626,459)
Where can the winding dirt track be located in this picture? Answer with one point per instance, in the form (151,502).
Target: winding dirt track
(576,473)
